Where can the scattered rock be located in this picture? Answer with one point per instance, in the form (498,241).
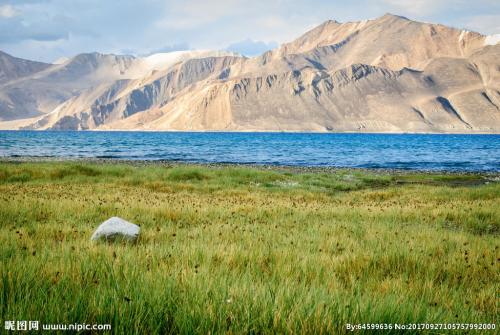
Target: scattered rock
(116,228)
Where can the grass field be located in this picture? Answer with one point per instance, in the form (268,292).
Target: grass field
(244,250)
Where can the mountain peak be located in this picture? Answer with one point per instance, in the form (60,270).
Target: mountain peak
(330,22)
(12,67)
(394,16)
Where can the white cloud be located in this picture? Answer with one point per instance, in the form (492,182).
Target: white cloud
(492,39)
(190,14)
(250,47)
(417,7)
(8,11)
(451,8)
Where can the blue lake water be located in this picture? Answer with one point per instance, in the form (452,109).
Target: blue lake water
(393,151)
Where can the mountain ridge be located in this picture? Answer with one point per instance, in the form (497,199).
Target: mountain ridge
(389,74)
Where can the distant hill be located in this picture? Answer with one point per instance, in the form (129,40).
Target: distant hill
(12,68)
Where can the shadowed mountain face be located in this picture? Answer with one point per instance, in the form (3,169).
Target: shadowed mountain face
(12,68)
(390,74)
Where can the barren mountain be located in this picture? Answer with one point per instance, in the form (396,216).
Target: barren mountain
(390,74)
(120,99)
(390,41)
(41,92)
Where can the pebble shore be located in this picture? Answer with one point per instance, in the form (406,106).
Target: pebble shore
(283,168)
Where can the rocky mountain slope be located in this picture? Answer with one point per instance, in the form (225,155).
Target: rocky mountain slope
(390,74)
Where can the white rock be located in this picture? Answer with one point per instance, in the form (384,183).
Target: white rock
(116,228)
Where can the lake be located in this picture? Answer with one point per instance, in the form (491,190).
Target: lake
(392,151)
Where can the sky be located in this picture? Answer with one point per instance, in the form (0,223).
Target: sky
(47,30)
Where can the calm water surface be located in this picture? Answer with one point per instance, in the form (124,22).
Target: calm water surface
(395,151)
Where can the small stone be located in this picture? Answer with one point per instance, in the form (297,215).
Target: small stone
(116,228)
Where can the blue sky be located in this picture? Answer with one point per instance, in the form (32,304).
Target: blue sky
(50,29)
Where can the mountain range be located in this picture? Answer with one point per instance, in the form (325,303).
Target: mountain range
(390,74)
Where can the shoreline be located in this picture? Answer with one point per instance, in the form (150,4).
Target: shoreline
(257,131)
(219,165)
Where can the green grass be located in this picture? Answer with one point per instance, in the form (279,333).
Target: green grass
(242,250)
